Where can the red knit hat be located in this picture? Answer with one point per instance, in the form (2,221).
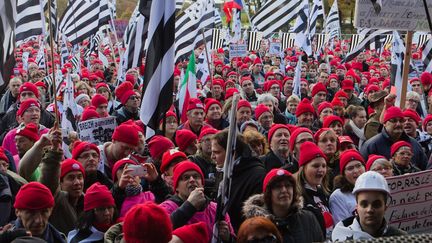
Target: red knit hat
(347,84)
(426,78)
(98,100)
(34,196)
(81,147)
(274,128)
(41,84)
(193,233)
(273,174)
(414,80)
(130,78)
(28,86)
(158,145)
(372,87)
(308,152)
(147,223)
(319,87)
(323,106)
(396,146)
(182,167)
(119,164)
(96,196)
(102,85)
(243,103)
(304,107)
(69,165)
(126,134)
(393,112)
(27,104)
(413,115)
(318,133)
(295,134)
(194,103)
(341,93)
(260,109)
(207,131)
(209,102)
(328,120)
(169,156)
(3,155)
(184,138)
(89,113)
(337,102)
(427,119)
(219,82)
(244,79)
(30,131)
(124,91)
(230,93)
(348,156)
(371,160)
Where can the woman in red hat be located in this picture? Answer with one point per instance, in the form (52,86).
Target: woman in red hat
(327,141)
(401,156)
(354,126)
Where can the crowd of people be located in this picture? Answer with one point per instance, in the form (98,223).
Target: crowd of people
(307,167)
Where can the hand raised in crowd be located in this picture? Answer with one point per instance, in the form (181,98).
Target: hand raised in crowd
(152,173)
(52,138)
(223,230)
(390,100)
(126,177)
(198,199)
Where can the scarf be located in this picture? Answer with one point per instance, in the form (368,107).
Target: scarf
(133,190)
(359,132)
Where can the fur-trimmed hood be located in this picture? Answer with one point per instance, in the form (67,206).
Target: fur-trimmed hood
(255,206)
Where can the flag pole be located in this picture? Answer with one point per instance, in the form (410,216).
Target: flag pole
(427,15)
(111,47)
(54,88)
(207,57)
(406,66)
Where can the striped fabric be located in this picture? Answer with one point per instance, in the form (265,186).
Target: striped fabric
(7,23)
(30,19)
(254,40)
(332,24)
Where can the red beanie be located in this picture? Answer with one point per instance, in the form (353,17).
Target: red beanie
(147,223)
(319,87)
(393,112)
(102,85)
(3,155)
(245,78)
(130,78)
(303,107)
(274,128)
(41,84)
(89,113)
(396,146)
(348,156)
(81,147)
(30,131)
(27,86)
(427,119)
(295,134)
(372,87)
(27,104)
(194,103)
(308,152)
(169,156)
(184,138)
(193,233)
(426,78)
(347,84)
(209,102)
(126,134)
(69,165)
(98,100)
(341,93)
(96,196)
(371,160)
(118,165)
(219,82)
(207,131)
(272,174)
(124,91)
(158,145)
(318,133)
(328,120)
(323,106)
(230,93)
(337,102)
(243,103)
(413,115)
(184,166)
(34,196)
(260,109)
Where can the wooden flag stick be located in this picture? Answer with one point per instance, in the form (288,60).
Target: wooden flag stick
(207,57)
(406,67)
(54,88)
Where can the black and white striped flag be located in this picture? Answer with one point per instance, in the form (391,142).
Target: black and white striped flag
(40,58)
(320,40)
(332,24)
(131,25)
(427,56)
(355,40)
(317,12)
(217,38)
(372,39)
(82,19)
(76,63)
(202,66)
(7,23)
(64,51)
(420,39)
(69,113)
(397,58)
(53,15)
(302,38)
(287,40)
(135,46)
(275,14)
(159,68)
(179,5)
(189,24)
(218,18)
(254,40)
(30,19)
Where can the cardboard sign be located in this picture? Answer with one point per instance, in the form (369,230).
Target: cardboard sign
(275,48)
(410,208)
(237,50)
(392,15)
(97,131)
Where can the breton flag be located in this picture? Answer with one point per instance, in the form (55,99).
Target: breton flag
(297,79)
(275,14)
(8,12)
(82,19)
(302,38)
(189,25)
(218,18)
(64,51)
(30,19)
(136,43)
(397,57)
(332,24)
(254,40)
(217,39)
(69,114)
(287,40)
(179,5)
(427,56)
(40,58)
(371,37)
(188,87)
(159,67)
(53,15)
(317,11)
(202,67)
(131,25)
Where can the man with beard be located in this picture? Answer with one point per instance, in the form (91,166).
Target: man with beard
(392,132)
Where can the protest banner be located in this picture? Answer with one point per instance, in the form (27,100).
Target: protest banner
(237,50)
(406,15)
(97,131)
(410,207)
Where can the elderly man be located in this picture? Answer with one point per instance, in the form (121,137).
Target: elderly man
(11,95)
(305,114)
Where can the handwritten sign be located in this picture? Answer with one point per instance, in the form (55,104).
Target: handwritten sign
(394,15)
(237,50)
(410,208)
(97,131)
